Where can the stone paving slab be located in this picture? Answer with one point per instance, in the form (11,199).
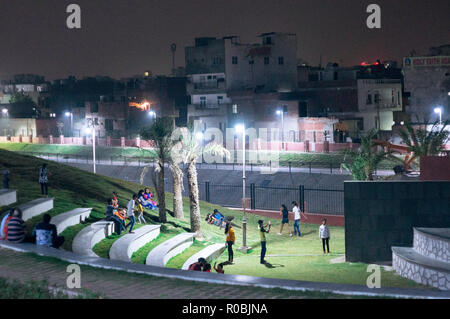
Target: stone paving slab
(224,279)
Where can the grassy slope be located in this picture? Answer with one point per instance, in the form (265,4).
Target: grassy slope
(76,188)
(317,159)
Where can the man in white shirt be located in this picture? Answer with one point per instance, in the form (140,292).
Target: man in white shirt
(297,216)
(130,213)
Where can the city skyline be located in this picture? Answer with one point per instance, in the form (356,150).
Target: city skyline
(120,40)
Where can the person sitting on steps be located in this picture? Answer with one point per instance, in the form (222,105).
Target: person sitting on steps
(46,234)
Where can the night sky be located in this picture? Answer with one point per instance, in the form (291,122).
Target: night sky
(125,37)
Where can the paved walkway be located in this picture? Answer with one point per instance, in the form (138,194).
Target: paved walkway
(227,167)
(118,285)
(142,281)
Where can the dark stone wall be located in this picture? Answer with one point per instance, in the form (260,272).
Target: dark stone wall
(379,215)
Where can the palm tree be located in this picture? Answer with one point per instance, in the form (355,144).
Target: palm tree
(177,177)
(160,133)
(365,160)
(423,142)
(188,151)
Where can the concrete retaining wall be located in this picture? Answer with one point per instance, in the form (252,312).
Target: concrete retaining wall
(379,215)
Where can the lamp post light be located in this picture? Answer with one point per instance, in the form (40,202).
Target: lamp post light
(438,110)
(201,137)
(240,128)
(5,112)
(281,113)
(90,129)
(70,114)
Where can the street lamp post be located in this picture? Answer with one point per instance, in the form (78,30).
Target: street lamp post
(70,114)
(438,110)
(281,113)
(90,129)
(241,128)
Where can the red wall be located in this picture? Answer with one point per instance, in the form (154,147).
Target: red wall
(435,168)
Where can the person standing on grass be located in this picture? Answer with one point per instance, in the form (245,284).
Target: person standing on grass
(284,219)
(231,238)
(324,234)
(43,179)
(297,217)
(262,234)
(130,213)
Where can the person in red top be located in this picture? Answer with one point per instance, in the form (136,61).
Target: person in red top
(199,265)
(207,268)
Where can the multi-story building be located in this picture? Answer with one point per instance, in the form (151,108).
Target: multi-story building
(227,77)
(427,79)
(361,97)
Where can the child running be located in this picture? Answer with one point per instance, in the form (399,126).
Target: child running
(324,234)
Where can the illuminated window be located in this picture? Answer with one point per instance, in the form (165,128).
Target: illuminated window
(235,109)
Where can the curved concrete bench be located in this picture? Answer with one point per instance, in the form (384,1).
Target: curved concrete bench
(160,255)
(7,197)
(71,218)
(124,247)
(209,253)
(87,238)
(36,207)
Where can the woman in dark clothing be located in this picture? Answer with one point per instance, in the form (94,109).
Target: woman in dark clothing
(43,179)
(284,219)
(231,238)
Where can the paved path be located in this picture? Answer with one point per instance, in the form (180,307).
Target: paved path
(114,284)
(152,282)
(237,167)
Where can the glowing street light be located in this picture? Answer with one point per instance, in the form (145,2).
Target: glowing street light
(281,113)
(438,110)
(70,114)
(240,128)
(152,114)
(90,129)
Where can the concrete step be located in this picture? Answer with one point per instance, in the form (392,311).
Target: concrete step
(36,207)
(408,263)
(70,218)
(86,239)
(160,255)
(7,197)
(209,253)
(125,246)
(433,243)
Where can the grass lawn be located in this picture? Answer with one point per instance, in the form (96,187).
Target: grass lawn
(297,159)
(73,188)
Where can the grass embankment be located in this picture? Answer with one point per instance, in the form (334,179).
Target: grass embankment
(317,160)
(102,152)
(74,188)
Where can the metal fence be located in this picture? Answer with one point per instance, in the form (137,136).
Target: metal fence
(321,200)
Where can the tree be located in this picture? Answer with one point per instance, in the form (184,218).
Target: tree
(365,160)
(160,133)
(423,142)
(177,177)
(22,106)
(188,151)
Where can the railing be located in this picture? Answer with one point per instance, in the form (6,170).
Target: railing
(321,200)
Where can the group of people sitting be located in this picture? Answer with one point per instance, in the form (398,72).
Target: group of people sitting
(203,265)
(125,217)
(216,218)
(13,229)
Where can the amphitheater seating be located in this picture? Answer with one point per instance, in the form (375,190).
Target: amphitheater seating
(7,197)
(209,253)
(160,255)
(71,218)
(88,237)
(124,247)
(36,207)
